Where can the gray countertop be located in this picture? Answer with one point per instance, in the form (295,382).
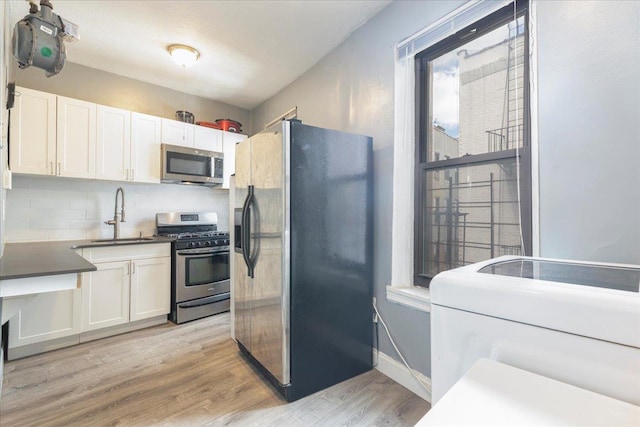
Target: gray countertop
(33,259)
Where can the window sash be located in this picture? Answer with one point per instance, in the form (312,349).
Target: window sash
(448,25)
(485,25)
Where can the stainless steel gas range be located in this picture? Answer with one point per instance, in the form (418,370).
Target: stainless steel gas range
(200,264)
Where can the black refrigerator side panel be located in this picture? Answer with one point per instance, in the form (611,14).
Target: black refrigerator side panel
(331,330)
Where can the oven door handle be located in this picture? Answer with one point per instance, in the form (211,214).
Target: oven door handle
(246,230)
(192,252)
(205,301)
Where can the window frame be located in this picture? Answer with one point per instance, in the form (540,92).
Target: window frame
(479,28)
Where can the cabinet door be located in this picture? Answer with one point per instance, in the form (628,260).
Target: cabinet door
(207,138)
(150,287)
(105,295)
(48,316)
(76,138)
(229,140)
(145,148)
(113,149)
(177,133)
(32,145)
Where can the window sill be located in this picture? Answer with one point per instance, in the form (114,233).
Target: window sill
(410,296)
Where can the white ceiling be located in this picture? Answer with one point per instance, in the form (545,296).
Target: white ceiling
(249,50)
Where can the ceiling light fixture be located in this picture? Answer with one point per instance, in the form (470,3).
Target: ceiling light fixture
(184,56)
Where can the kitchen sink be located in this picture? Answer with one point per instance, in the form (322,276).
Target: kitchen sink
(124,240)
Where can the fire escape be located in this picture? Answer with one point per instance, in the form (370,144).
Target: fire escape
(461,214)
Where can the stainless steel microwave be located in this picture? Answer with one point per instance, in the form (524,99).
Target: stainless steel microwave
(186,165)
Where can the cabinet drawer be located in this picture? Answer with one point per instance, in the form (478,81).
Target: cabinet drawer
(126,252)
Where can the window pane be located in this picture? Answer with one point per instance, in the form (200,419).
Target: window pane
(476,95)
(470,215)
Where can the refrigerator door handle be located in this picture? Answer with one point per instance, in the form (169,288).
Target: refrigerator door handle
(246,231)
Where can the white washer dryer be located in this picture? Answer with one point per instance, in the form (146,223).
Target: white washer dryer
(576,322)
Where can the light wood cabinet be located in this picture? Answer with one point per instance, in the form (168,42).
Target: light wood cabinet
(229,140)
(33,133)
(113,159)
(177,133)
(145,148)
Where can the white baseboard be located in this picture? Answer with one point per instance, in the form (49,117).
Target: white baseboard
(398,372)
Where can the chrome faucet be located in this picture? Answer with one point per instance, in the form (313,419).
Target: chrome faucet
(117,217)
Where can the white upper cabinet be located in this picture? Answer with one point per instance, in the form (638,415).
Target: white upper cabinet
(113,158)
(229,140)
(207,138)
(76,138)
(145,148)
(33,133)
(52,135)
(177,133)
(55,135)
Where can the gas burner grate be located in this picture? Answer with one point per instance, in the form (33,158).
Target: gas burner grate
(193,234)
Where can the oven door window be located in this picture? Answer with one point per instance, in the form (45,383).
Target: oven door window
(206,269)
(188,164)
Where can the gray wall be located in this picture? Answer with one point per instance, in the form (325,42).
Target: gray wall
(589,114)
(589,68)
(351,89)
(90,84)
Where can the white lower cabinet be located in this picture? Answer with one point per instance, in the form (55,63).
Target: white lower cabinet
(150,288)
(105,295)
(48,316)
(132,283)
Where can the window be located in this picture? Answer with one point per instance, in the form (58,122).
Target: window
(472,116)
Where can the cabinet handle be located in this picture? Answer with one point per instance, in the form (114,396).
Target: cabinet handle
(58,168)
(133,174)
(133,268)
(127,179)
(52,171)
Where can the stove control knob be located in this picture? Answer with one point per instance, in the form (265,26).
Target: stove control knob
(191,244)
(207,243)
(200,244)
(226,242)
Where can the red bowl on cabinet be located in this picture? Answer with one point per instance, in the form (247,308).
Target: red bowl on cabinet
(229,125)
(209,125)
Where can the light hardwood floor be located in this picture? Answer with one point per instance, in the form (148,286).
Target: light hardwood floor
(186,375)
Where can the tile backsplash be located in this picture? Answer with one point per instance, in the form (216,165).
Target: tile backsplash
(51,208)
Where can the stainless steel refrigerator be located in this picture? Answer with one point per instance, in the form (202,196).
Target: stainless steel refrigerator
(303,229)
